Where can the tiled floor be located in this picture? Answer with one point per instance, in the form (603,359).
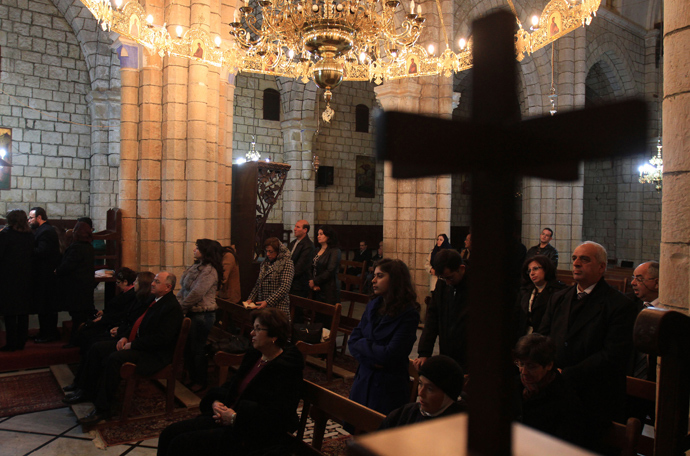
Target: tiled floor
(56,433)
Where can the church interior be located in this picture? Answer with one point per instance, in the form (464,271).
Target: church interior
(91,120)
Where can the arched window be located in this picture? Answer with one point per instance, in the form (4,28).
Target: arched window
(362,118)
(271,104)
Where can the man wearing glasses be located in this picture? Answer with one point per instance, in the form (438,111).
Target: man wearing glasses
(645,283)
(446,316)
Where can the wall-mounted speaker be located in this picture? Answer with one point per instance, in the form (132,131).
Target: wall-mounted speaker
(324,177)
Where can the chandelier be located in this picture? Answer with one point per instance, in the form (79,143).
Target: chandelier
(652,172)
(329,41)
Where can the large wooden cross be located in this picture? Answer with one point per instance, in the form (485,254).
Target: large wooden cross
(496,147)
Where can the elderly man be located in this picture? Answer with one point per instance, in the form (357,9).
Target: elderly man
(591,324)
(440,384)
(645,283)
(544,247)
(149,343)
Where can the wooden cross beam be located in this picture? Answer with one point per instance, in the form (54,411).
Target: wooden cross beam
(496,148)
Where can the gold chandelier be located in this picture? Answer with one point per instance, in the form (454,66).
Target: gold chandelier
(652,172)
(329,41)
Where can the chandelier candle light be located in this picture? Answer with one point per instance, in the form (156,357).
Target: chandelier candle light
(330,41)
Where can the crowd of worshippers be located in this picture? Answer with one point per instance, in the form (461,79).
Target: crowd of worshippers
(573,345)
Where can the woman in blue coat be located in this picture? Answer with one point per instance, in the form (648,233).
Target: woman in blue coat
(383,340)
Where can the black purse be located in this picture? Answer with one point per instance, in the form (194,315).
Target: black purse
(310,334)
(232,344)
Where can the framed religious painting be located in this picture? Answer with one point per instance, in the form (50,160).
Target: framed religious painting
(365,177)
(6,156)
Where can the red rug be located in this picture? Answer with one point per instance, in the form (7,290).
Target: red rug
(35,356)
(29,393)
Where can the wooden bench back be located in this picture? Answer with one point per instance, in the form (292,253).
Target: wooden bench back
(350,280)
(323,405)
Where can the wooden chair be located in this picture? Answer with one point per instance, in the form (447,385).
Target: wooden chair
(348,323)
(643,390)
(169,373)
(322,405)
(223,362)
(625,437)
(310,309)
(414,381)
(352,280)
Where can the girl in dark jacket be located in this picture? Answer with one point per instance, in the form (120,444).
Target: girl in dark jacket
(384,338)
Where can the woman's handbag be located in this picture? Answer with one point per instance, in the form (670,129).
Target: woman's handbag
(232,344)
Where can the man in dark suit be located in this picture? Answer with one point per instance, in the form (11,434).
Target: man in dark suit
(45,259)
(364,254)
(149,343)
(591,324)
(446,316)
(302,249)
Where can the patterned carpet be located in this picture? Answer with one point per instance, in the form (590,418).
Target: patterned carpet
(27,393)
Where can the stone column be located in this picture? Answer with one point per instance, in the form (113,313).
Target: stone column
(547,203)
(129,151)
(104,106)
(298,193)
(675,223)
(415,211)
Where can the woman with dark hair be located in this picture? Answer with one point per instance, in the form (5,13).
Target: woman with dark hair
(325,285)
(543,400)
(538,284)
(253,411)
(442,242)
(197,297)
(76,278)
(16,247)
(272,288)
(384,338)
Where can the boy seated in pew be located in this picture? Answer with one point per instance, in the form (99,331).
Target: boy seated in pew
(440,385)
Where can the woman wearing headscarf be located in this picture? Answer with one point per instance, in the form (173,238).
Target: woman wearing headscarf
(16,247)
(442,242)
(76,278)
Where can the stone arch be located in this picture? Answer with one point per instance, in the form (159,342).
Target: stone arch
(607,48)
(101,61)
(297,97)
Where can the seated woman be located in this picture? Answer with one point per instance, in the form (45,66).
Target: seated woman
(255,408)
(384,338)
(272,288)
(542,398)
(440,384)
(538,284)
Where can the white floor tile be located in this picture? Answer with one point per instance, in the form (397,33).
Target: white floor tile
(47,422)
(18,443)
(65,446)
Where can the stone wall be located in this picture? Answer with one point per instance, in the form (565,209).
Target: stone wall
(45,83)
(338,145)
(249,120)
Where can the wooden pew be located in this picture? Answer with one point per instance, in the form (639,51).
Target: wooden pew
(667,334)
(352,280)
(646,391)
(347,322)
(322,405)
(310,309)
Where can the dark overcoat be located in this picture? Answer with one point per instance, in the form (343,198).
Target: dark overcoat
(45,258)
(382,345)
(326,276)
(15,272)
(76,277)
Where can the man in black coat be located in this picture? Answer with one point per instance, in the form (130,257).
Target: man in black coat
(544,247)
(591,324)
(45,258)
(364,254)
(446,316)
(149,343)
(302,250)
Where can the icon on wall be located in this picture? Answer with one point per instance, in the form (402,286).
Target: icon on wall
(6,156)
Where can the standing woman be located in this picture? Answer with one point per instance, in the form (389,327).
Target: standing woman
(272,288)
(325,284)
(442,242)
(197,297)
(384,338)
(230,289)
(539,283)
(16,247)
(76,277)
